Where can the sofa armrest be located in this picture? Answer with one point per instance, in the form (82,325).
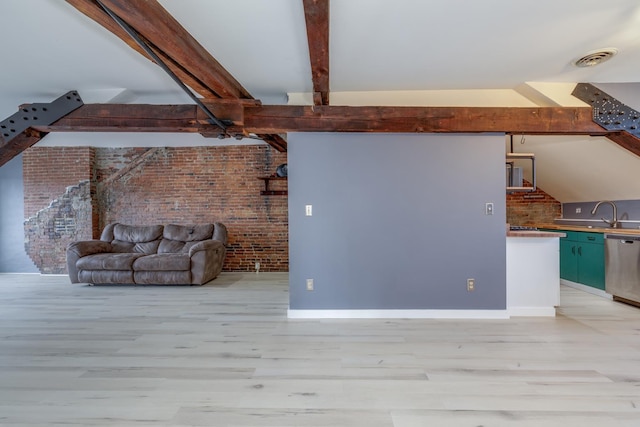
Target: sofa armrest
(205,245)
(207,258)
(77,250)
(220,232)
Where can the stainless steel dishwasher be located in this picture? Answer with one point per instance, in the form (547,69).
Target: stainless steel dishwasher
(622,267)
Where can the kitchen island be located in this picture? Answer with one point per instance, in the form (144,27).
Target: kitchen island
(533,273)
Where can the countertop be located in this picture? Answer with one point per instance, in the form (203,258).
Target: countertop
(629,231)
(534,233)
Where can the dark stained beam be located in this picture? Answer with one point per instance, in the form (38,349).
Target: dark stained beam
(18,144)
(627,141)
(177,49)
(276,141)
(128,118)
(316,14)
(280,119)
(188,59)
(549,120)
(92,10)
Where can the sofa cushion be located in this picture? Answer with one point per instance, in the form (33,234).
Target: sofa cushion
(133,238)
(162,277)
(108,261)
(142,248)
(137,233)
(188,233)
(163,262)
(105,276)
(171,247)
(180,238)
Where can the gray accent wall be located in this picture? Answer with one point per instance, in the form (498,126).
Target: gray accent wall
(398,221)
(13,258)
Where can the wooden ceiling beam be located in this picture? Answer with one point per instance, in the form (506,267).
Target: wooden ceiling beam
(180,52)
(18,144)
(276,141)
(279,119)
(92,10)
(549,120)
(128,118)
(316,13)
(626,140)
(173,43)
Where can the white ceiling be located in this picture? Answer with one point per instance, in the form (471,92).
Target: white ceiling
(442,46)
(375,45)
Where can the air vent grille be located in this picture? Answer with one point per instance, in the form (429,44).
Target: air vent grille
(595,58)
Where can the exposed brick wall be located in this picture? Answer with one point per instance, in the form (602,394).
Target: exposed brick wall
(50,230)
(58,203)
(155,185)
(532,208)
(48,171)
(200,184)
(87,188)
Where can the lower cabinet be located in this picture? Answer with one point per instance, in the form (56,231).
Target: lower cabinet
(568,259)
(582,258)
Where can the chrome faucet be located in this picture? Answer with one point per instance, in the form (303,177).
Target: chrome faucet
(613,223)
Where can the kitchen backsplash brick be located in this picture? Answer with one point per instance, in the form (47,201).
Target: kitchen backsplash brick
(532,208)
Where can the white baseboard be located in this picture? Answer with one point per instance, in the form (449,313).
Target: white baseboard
(585,288)
(532,311)
(397,314)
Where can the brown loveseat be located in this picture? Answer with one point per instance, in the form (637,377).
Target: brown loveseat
(156,254)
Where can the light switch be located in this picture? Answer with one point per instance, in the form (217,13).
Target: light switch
(308,210)
(488,208)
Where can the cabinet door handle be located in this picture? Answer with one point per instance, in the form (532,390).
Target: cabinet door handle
(573,250)
(591,238)
(580,250)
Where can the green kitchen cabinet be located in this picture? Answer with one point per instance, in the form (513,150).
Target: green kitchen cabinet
(568,260)
(582,258)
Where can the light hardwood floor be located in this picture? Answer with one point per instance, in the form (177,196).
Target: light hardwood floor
(225,354)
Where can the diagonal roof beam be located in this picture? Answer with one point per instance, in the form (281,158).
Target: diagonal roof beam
(316,14)
(613,115)
(626,141)
(92,10)
(174,46)
(149,50)
(163,31)
(18,144)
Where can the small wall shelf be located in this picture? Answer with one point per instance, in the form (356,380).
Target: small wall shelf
(269,192)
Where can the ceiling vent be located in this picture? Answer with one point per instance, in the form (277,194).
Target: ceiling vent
(595,57)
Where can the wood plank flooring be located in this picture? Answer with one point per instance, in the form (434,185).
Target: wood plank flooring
(225,354)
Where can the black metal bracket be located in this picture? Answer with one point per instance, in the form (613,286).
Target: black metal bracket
(608,112)
(38,114)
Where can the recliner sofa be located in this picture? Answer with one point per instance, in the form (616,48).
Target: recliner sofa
(156,254)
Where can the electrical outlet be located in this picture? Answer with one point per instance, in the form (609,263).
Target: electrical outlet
(471,285)
(309,284)
(257,267)
(578,210)
(308,209)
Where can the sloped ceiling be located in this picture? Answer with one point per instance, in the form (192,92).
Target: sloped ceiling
(582,168)
(382,52)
